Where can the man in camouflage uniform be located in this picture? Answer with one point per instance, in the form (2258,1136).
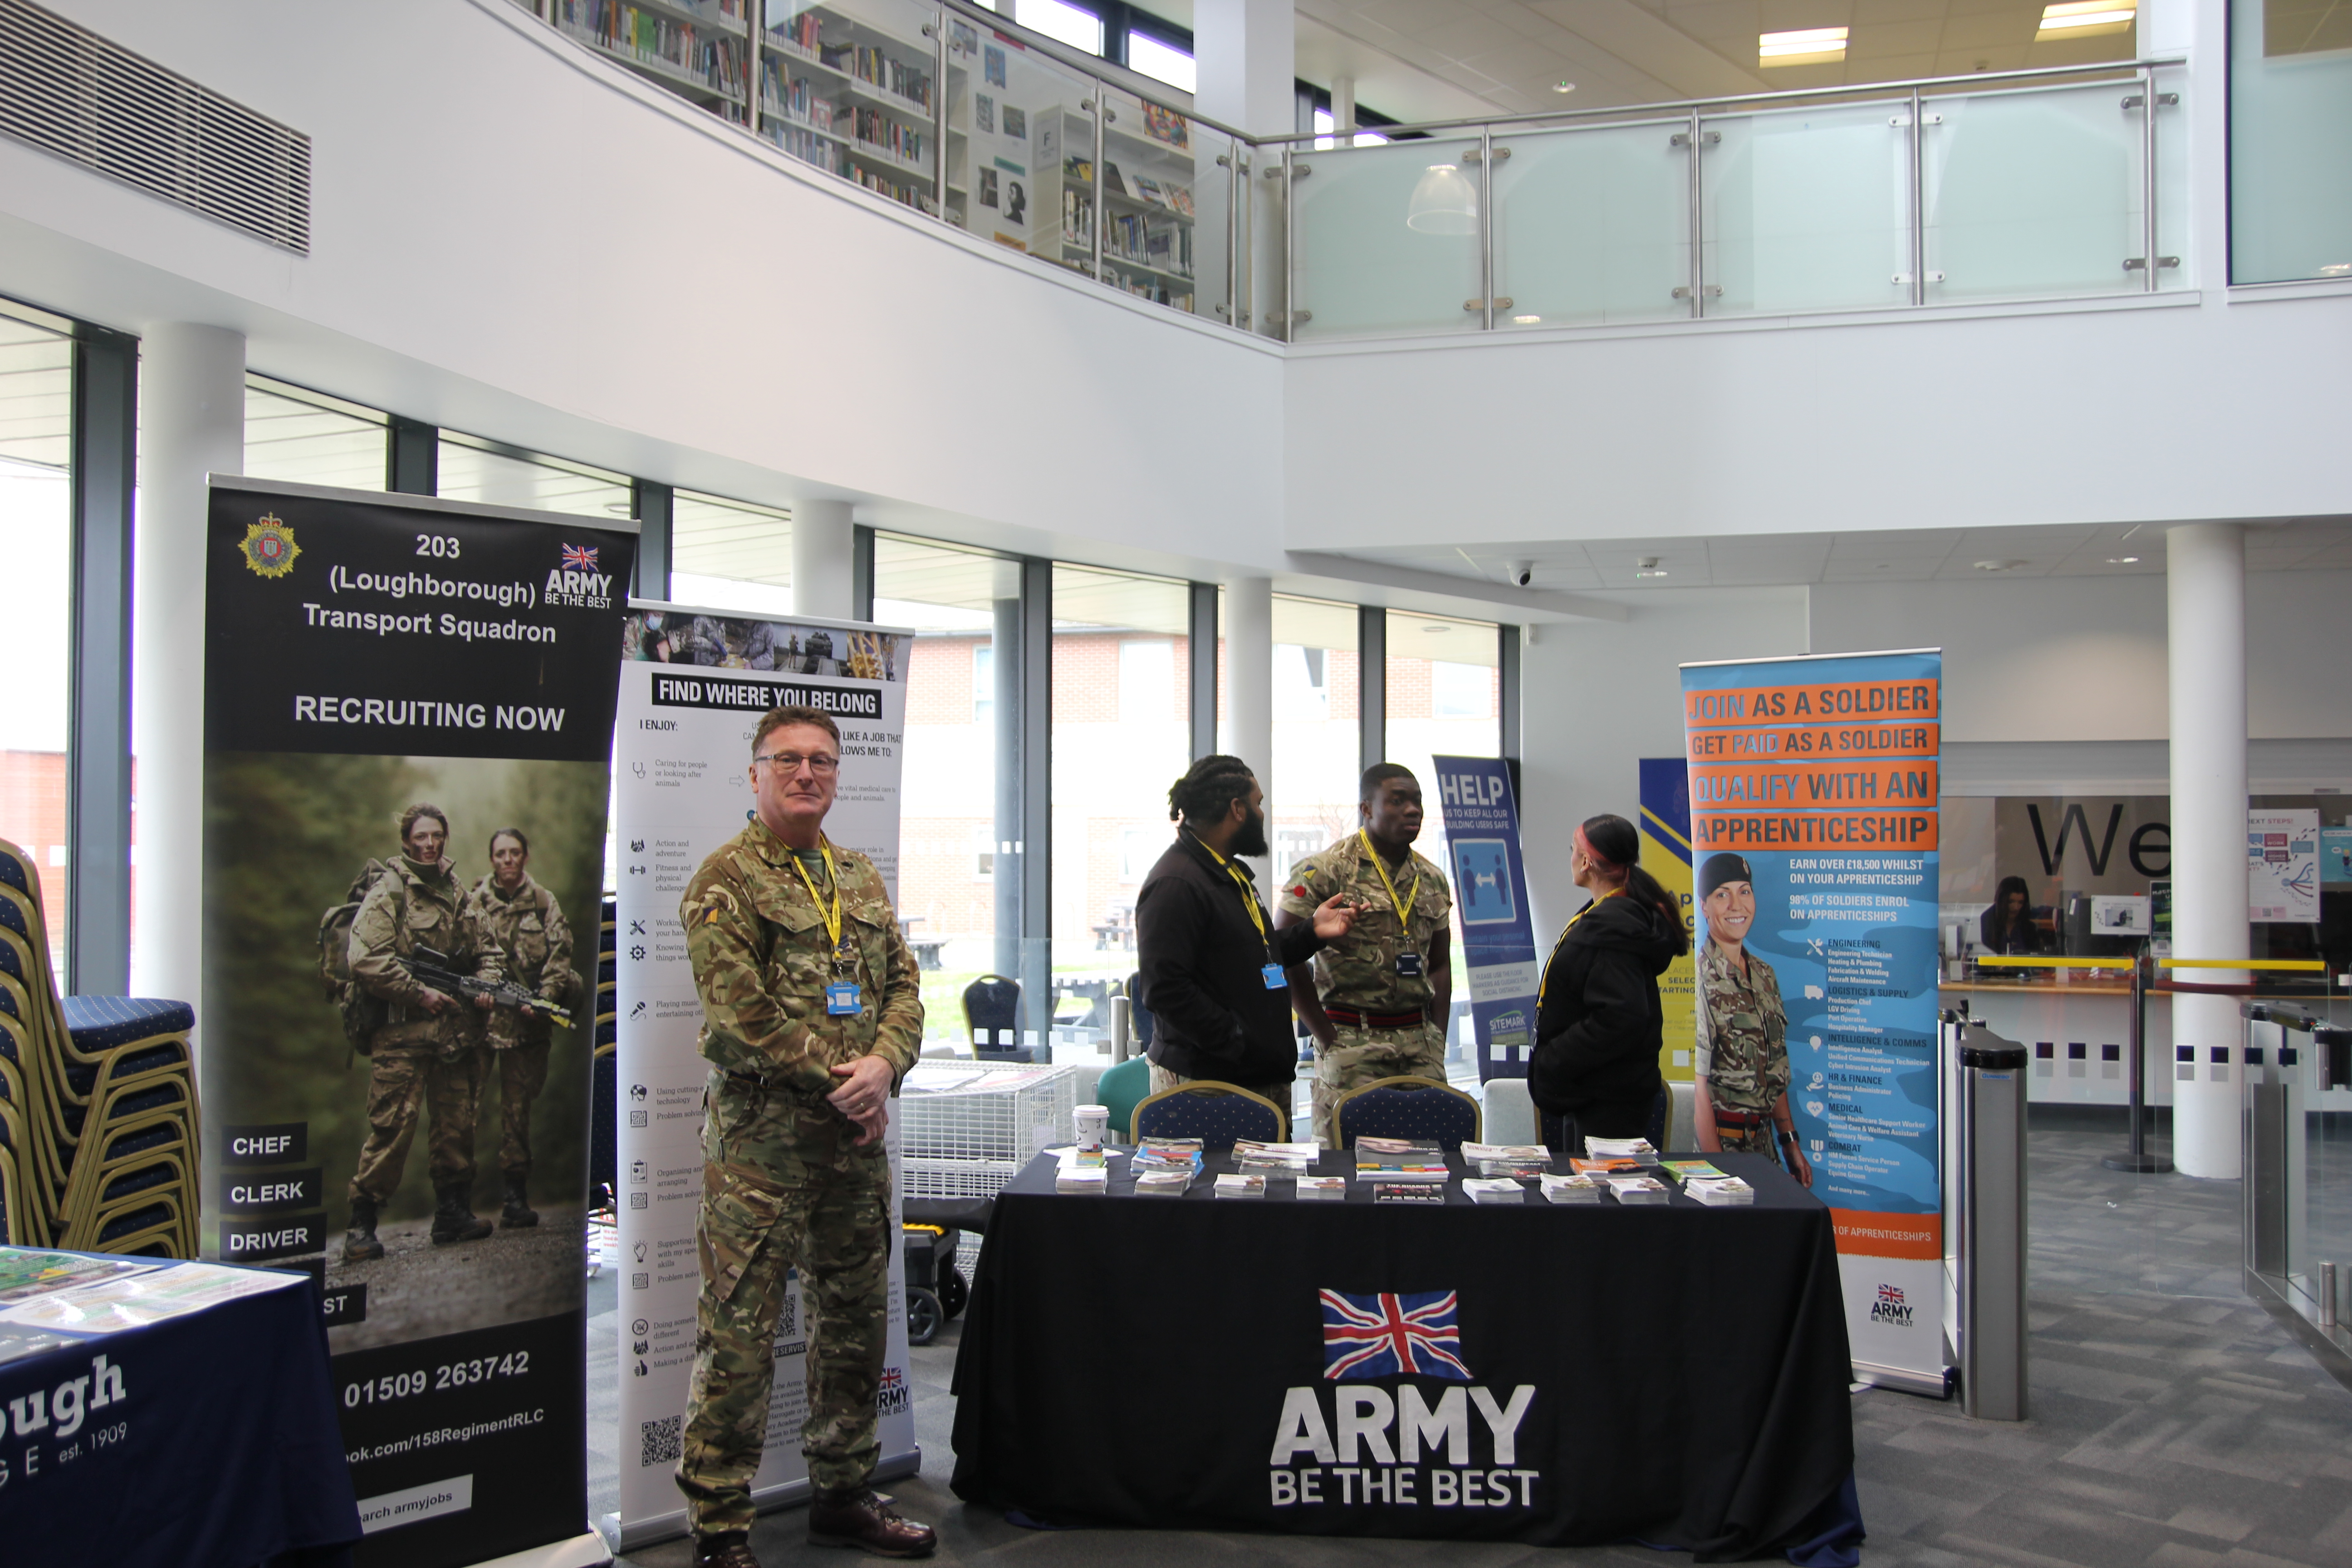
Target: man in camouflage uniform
(811,1012)
(1376,1000)
(428,1049)
(526,932)
(1740,1099)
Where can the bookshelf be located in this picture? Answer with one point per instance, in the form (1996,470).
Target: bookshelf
(852,90)
(696,50)
(1151,214)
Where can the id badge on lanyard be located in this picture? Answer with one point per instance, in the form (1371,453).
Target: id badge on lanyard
(1274,976)
(841,999)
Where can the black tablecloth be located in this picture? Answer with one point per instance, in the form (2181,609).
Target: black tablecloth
(216,1445)
(1161,1363)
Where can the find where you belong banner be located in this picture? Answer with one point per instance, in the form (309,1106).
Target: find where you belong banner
(1822,774)
(694,683)
(1490,899)
(1666,855)
(365,654)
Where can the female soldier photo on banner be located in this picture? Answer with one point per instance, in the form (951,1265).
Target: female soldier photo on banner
(1740,1096)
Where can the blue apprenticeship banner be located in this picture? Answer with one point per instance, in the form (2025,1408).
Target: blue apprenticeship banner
(1814,821)
(1490,899)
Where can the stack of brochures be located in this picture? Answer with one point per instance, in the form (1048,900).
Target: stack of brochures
(1430,1194)
(1722,1192)
(1637,1149)
(1083,1171)
(1323,1189)
(1685,1169)
(1235,1184)
(1274,1159)
(1527,1161)
(1571,1189)
(1586,1165)
(1167,1154)
(1163,1184)
(1400,1160)
(1495,1190)
(1637,1189)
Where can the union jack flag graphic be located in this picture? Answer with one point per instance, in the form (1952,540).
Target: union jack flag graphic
(580,557)
(1384,1335)
(1891,1294)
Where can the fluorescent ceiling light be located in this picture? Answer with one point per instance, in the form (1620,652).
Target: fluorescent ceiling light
(2122,560)
(2074,16)
(1164,62)
(1805,46)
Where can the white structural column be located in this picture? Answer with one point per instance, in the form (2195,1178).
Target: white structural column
(824,551)
(2206,579)
(1247,52)
(191,423)
(1247,721)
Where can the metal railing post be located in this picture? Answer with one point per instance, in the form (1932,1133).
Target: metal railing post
(1289,246)
(1697,229)
(1918,202)
(1486,227)
(2150,266)
(939,31)
(1102,118)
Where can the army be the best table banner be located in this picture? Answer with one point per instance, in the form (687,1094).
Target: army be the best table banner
(395,687)
(694,684)
(1814,797)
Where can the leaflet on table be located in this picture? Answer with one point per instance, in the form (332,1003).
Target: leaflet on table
(1570,1189)
(1401,1160)
(1490,899)
(1720,1192)
(1685,1170)
(26,1272)
(1637,1149)
(133,1301)
(1500,1190)
(1821,773)
(15,1344)
(693,686)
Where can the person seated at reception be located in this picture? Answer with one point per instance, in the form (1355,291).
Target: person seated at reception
(1598,1021)
(1740,1078)
(2007,927)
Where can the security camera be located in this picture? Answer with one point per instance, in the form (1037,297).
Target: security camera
(1522,572)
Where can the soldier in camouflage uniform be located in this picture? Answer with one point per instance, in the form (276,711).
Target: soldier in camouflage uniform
(812,1014)
(1741,1097)
(527,932)
(428,1049)
(1377,999)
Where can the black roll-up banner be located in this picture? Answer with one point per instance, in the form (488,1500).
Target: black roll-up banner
(364,654)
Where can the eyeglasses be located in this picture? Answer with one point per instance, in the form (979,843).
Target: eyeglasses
(789,762)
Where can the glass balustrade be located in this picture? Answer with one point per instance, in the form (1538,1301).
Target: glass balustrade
(2030,186)
(2290,141)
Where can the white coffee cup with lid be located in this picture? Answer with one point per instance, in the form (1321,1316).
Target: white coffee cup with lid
(1091,1120)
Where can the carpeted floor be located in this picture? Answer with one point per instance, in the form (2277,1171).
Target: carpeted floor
(2173,1424)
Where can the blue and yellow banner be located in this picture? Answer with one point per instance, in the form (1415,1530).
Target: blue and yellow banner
(1666,855)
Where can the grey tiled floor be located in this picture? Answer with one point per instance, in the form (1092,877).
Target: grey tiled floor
(2173,1424)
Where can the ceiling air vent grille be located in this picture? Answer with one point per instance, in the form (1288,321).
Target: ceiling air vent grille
(68,91)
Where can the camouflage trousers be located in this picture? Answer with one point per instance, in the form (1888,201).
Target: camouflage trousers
(784,1186)
(1358,1055)
(523,1073)
(1761,1140)
(1280,1094)
(400,1084)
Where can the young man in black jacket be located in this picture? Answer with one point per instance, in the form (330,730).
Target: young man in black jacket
(1212,961)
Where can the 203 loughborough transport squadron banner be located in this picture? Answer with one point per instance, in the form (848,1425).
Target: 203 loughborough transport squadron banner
(1817,778)
(1490,899)
(693,686)
(408,722)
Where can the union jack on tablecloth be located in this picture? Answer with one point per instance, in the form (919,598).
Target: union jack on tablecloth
(1386,1335)
(580,557)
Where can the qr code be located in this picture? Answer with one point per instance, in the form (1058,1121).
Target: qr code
(659,1442)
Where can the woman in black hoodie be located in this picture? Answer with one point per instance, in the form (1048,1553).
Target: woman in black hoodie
(1598,1023)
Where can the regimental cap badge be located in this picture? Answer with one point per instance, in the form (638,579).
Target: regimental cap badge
(269,548)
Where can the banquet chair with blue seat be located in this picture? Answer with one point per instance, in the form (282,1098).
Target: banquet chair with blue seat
(1406,1107)
(992,1019)
(1215,1113)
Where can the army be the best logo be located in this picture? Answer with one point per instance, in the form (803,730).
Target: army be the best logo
(269,548)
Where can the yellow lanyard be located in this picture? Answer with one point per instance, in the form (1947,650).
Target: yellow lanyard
(831,916)
(1403,910)
(1249,894)
(1563,938)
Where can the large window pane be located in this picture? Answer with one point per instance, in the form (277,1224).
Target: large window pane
(308,438)
(478,471)
(730,555)
(1311,799)
(1445,697)
(1122,695)
(2290,140)
(964,921)
(36,540)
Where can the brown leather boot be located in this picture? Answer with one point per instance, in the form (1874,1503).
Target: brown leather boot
(861,1518)
(731,1550)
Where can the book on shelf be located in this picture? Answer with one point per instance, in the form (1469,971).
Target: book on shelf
(1400,1160)
(1166,125)
(1111,181)
(1496,1190)
(1235,1184)
(1429,1194)
(1080,171)
(1077,218)
(800,31)
(1323,1189)
(1146,188)
(1570,1189)
(714,59)
(1724,1191)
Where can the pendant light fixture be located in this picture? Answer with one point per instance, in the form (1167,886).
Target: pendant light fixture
(1444,201)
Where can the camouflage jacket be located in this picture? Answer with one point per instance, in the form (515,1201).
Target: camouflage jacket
(763,960)
(404,911)
(1360,970)
(1743,1050)
(527,932)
